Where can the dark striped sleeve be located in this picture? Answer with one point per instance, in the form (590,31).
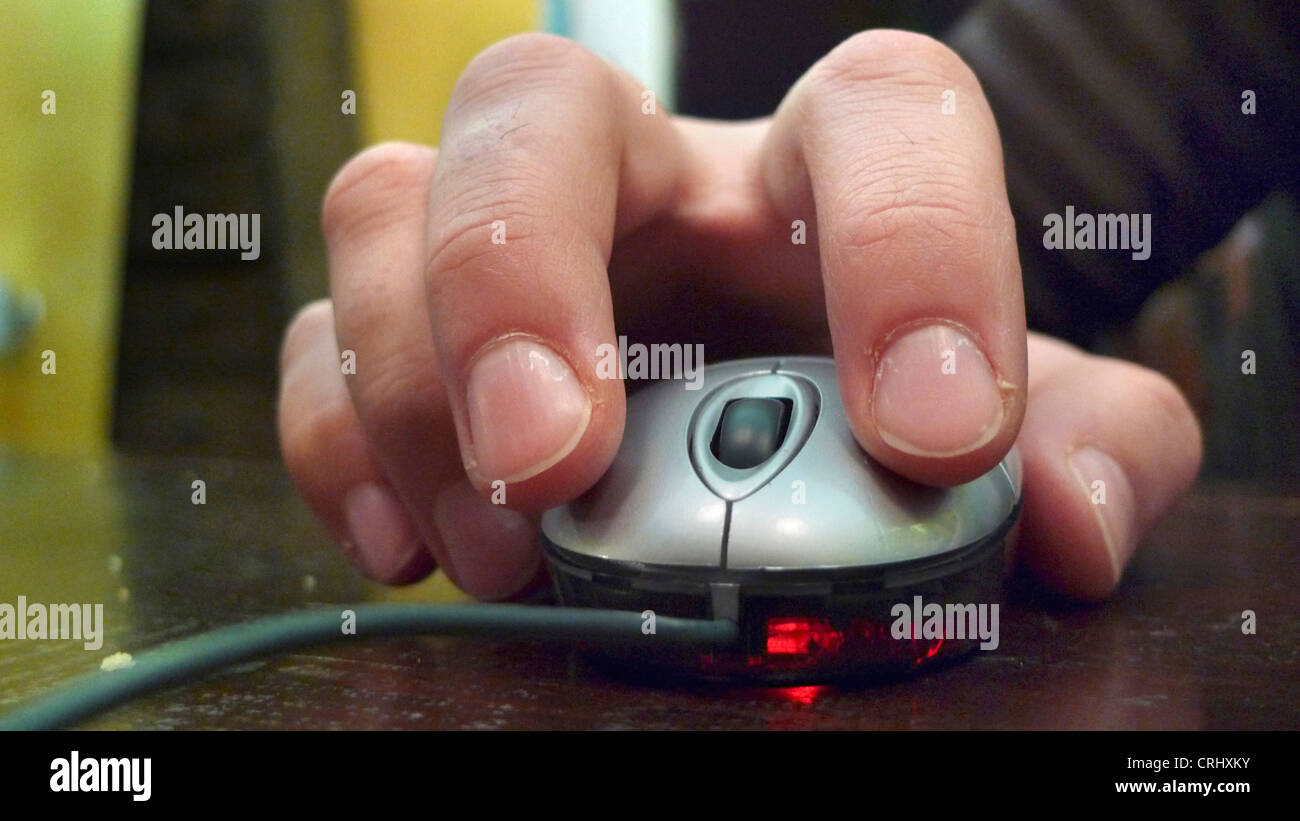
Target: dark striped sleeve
(1133,107)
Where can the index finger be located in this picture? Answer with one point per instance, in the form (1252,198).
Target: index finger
(920,268)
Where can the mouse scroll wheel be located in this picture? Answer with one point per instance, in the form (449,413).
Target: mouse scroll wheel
(750,431)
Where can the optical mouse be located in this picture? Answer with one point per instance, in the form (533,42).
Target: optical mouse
(749,499)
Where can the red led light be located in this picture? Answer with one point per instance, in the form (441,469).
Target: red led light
(802,695)
(794,646)
(801,636)
(931,649)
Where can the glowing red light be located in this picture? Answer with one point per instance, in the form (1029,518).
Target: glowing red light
(930,651)
(803,695)
(801,636)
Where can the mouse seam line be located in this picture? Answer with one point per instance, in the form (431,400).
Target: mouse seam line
(726,533)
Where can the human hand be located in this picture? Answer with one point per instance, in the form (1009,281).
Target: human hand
(475,361)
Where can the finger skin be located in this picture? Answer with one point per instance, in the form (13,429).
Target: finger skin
(1108,448)
(374,218)
(546,156)
(915,232)
(325,449)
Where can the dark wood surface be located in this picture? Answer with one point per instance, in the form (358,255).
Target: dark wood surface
(1167,651)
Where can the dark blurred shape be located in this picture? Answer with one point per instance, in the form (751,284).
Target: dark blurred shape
(1226,334)
(199,329)
(1133,107)
(237,114)
(737,58)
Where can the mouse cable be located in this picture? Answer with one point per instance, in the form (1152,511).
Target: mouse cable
(187,659)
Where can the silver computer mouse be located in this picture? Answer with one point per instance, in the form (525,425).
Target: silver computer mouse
(749,499)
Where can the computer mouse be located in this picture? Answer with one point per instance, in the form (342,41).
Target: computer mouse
(749,499)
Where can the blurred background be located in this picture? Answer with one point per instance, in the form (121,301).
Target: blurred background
(130,376)
(118,111)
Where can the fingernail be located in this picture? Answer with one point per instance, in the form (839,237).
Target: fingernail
(935,394)
(527,410)
(1109,493)
(385,541)
(492,550)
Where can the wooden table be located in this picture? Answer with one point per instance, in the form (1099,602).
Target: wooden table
(1167,651)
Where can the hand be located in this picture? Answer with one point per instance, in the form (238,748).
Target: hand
(475,360)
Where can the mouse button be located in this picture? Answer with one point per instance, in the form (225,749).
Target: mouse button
(909,520)
(805,521)
(648,506)
(676,528)
(751,430)
(919,521)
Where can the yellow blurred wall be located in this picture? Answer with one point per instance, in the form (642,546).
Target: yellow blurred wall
(408,54)
(63,202)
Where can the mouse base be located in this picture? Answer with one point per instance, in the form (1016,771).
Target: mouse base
(803,627)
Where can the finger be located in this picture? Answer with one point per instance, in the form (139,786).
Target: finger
(1108,447)
(374,218)
(1047,355)
(920,269)
(330,461)
(546,156)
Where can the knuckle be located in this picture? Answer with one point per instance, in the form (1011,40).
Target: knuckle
(309,433)
(887,55)
(1174,412)
(463,242)
(365,185)
(400,393)
(1164,410)
(522,61)
(931,214)
(908,184)
(312,319)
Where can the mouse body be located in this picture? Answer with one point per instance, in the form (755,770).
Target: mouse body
(750,500)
